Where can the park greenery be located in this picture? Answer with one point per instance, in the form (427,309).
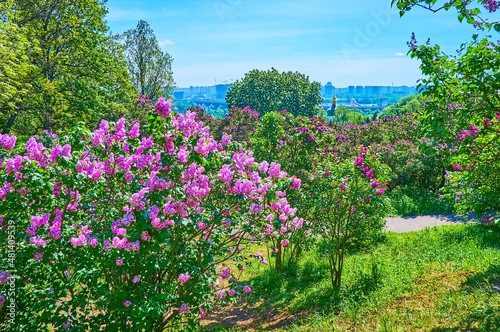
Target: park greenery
(268,91)
(119,214)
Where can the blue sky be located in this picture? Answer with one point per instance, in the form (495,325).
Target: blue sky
(357,42)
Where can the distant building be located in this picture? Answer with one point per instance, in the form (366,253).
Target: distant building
(329,90)
(178,95)
(351,89)
(221,90)
(359,90)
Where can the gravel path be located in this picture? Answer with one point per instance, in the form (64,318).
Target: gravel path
(417,223)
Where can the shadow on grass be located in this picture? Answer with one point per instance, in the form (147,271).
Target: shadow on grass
(488,280)
(273,291)
(486,316)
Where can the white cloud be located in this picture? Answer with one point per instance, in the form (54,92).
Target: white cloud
(166,42)
(399,54)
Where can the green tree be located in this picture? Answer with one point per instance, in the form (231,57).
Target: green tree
(268,91)
(14,67)
(405,105)
(77,71)
(462,114)
(345,115)
(150,69)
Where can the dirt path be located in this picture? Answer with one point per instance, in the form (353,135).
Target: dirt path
(418,223)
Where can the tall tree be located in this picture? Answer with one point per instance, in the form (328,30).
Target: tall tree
(14,66)
(77,71)
(149,67)
(268,91)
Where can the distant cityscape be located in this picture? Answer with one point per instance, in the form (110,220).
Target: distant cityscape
(218,91)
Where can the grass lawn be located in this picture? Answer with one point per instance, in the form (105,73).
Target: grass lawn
(441,279)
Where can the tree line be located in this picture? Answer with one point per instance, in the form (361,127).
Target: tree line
(60,65)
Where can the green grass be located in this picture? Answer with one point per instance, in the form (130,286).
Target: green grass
(409,201)
(436,280)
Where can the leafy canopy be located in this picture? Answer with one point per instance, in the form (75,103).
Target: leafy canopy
(268,91)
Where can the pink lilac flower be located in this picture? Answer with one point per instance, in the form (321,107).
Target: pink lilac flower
(226,139)
(2,300)
(67,272)
(203,312)
(375,184)
(184,308)
(163,107)
(221,294)
(39,256)
(201,225)
(119,262)
(93,242)
(7,142)
(127,303)
(136,279)
(458,167)
(183,278)
(145,236)
(296,183)
(4,277)
(67,324)
(342,187)
(327,172)
(285,243)
(226,223)
(491,5)
(135,131)
(380,191)
(225,273)
(247,289)
(231,292)
(358,161)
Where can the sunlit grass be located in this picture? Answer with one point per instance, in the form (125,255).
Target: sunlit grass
(440,279)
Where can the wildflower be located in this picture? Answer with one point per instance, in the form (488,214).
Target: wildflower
(127,303)
(247,289)
(136,279)
(119,262)
(2,300)
(285,243)
(203,312)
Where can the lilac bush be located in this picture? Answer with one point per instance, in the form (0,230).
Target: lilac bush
(129,229)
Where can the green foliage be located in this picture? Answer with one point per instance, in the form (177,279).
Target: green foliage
(465,10)
(417,201)
(149,67)
(76,72)
(344,114)
(346,206)
(13,67)
(411,281)
(405,105)
(268,91)
(463,116)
